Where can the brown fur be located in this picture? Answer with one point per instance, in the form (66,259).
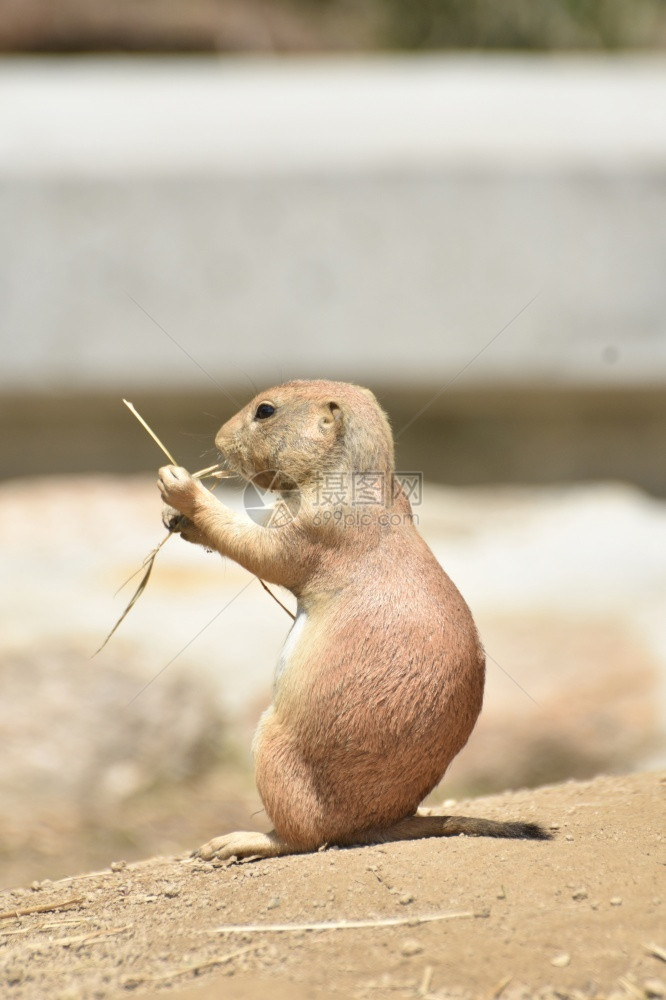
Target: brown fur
(384,683)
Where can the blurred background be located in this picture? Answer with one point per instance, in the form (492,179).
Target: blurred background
(461,205)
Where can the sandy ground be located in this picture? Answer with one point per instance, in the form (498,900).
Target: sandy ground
(579,916)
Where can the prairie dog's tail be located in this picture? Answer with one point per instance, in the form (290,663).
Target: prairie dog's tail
(419,827)
(453,826)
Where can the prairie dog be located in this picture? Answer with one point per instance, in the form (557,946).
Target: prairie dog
(381,677)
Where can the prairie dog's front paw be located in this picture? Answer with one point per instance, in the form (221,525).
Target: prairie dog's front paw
(172,519)
(178,524)
(178,488)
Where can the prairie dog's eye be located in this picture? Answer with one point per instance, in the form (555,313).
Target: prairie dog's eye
(264,410)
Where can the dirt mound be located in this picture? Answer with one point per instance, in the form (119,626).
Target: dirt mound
(579,916)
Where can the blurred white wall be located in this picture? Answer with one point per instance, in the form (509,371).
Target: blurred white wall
(367,219)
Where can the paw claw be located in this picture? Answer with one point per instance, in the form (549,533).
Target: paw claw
(173,520)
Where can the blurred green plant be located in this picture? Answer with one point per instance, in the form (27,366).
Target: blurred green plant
(525,24)
(329,25)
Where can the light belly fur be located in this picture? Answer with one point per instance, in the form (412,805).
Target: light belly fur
(290,644)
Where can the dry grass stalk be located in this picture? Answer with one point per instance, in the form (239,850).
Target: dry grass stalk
(426,981)
(66,942)
(212,472)
(499,989)
(196,967)
(26,911)
(134,411)
(43,927)
(631,988)
(276,599)
(148,564)
(338,925)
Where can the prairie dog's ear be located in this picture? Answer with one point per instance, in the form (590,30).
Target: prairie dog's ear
(331,415)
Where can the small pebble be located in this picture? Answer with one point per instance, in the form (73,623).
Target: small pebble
(579,894)
(569,837)
(410,947)
(616,901)
(406,898)
(171,891)
(13,975)
(118,866)
(655,988)
(561,961)
(274,903)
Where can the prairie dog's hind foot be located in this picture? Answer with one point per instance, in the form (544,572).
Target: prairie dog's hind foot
(243,844)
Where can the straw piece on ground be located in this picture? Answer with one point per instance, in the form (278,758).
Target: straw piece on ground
(337,925)
(25,911)
(91,936)
(631,988)
(42,927)
(426,981)
(499,989)
(195,967)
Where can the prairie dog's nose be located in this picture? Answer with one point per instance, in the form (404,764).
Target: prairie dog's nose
(223,438)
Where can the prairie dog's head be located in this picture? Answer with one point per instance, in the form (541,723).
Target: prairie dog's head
(304,429)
